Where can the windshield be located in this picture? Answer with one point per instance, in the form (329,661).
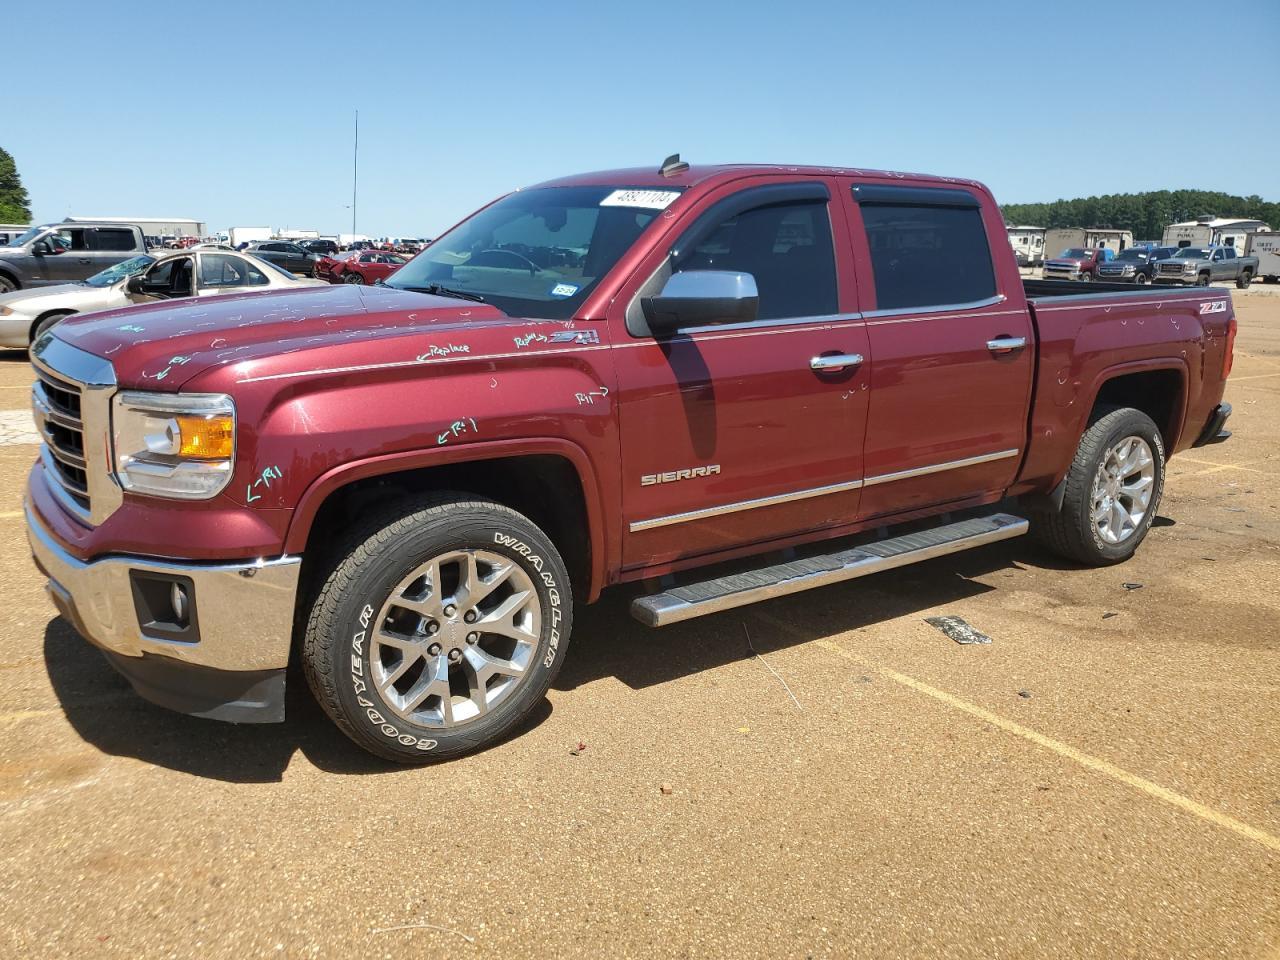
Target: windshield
(1132,255)
(26,237)
(263,262)
(1076,252)
(538,253)
(1192,253)
(120,271)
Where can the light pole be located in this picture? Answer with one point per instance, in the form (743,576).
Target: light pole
(355,167)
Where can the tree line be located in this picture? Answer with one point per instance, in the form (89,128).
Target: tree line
(1146,214)
(14,205)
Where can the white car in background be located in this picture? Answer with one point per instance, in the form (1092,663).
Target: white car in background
(199,272)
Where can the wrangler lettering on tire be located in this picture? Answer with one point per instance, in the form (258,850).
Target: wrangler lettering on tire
(445,619)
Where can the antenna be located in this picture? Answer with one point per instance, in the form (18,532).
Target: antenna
(672,166)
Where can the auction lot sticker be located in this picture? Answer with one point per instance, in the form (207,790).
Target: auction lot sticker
(649,199)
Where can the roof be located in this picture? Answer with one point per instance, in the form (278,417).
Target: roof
(1219,222)
(131,220)
(1011,227)
(703,173)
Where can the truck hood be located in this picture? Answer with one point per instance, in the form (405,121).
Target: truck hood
(163,345)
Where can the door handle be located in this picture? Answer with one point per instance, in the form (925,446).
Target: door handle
(1002,345)
(833,362)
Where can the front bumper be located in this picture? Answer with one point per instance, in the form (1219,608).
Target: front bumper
(232,667)
(1061,274)
(15,331)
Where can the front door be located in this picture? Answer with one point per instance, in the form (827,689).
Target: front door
(730,436)
(952,358)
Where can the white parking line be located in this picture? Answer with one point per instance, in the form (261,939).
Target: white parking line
(1065,750)
(16,426)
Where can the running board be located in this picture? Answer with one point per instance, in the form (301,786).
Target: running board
(740,589)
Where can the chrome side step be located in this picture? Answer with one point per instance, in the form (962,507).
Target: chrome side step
(740,589)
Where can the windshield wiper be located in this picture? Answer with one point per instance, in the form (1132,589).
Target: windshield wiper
(440,291)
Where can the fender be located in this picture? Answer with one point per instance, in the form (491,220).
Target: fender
(603,548)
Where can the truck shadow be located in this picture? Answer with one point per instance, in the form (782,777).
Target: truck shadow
(607,642)
(103,709)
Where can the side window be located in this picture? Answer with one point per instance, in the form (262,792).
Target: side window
(786,247)
(217,270)
(110,238)
(1217,254)
(69,239)
(161,274)
(256,278)
(927,256)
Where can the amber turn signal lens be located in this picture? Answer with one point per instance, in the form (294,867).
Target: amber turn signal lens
(208,438)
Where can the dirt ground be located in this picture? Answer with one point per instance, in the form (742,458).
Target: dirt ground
(1103,780)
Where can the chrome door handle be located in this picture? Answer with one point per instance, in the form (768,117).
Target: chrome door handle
(834,362)
(1006,344)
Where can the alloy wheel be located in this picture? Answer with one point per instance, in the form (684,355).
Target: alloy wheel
(1122,489)
(456,638)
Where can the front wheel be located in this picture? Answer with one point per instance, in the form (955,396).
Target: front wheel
(1141,279)
(439,628)
(1112,494)
(7,284)
(47,323)
(1243,281)
(352,277)
(1086,277)
(1202,280)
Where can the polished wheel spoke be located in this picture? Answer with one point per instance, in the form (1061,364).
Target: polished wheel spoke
(1122,489)
(455,638)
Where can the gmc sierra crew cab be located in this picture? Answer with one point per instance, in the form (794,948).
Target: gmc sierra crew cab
(1202,265)
(716,384)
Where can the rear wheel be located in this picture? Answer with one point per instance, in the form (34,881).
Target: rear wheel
(439,628)
(1243,281)
(1112,491)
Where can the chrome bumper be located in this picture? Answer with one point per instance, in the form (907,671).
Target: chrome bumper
(245,609)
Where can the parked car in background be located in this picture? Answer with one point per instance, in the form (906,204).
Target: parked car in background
(362,266)
(362,245)
(322,248)
(1135,265)
(204,271)
(285,254)
(1202,265)
(63,252)
(629,376)
(11,231)
(1077,263)
(411,247)
(326,265)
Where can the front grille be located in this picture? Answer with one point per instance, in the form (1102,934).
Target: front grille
(1171,269)
(56,406)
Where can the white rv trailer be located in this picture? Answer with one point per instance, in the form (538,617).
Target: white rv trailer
(1029,242)
(1265,245)
(1204,231)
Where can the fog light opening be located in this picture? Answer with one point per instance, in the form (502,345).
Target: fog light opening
(181,605)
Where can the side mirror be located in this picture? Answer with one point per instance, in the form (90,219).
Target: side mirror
(698,298)
(41,248)
(135,284)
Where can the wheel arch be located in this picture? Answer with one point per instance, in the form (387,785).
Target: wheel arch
(35,324)
(1158,389)
(550,481)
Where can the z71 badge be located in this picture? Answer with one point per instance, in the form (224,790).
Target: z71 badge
(1218,306)
(671,476)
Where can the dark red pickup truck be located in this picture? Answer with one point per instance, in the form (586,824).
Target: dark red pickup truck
(618,377)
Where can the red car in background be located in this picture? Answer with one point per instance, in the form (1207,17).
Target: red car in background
(359,266)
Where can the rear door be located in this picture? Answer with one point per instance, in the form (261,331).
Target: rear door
(730,437)
(953,353)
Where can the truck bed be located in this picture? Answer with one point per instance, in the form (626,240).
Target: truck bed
(1043,289)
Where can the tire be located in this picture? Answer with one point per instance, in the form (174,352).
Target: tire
(1086,277)
(376,606)
(47,322)
(1202,280)
(352,277)
(1072,531)
(1141,279)
(8,284)
(1243,281)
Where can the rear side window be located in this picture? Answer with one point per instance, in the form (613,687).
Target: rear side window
(111,238)
(786,247)
(927,256)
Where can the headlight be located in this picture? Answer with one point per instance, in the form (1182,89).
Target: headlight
(1128,270)
(174,445)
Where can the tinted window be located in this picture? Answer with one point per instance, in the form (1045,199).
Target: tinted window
(927,256)
(69,239)
(111,238)
(786,247)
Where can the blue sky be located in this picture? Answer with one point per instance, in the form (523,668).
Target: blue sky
(240,113)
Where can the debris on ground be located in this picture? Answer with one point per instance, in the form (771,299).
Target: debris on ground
(1132,586)
(752,648)
(1109,614)
(578,750)
(665,789)
(1025,694)
(957,629)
